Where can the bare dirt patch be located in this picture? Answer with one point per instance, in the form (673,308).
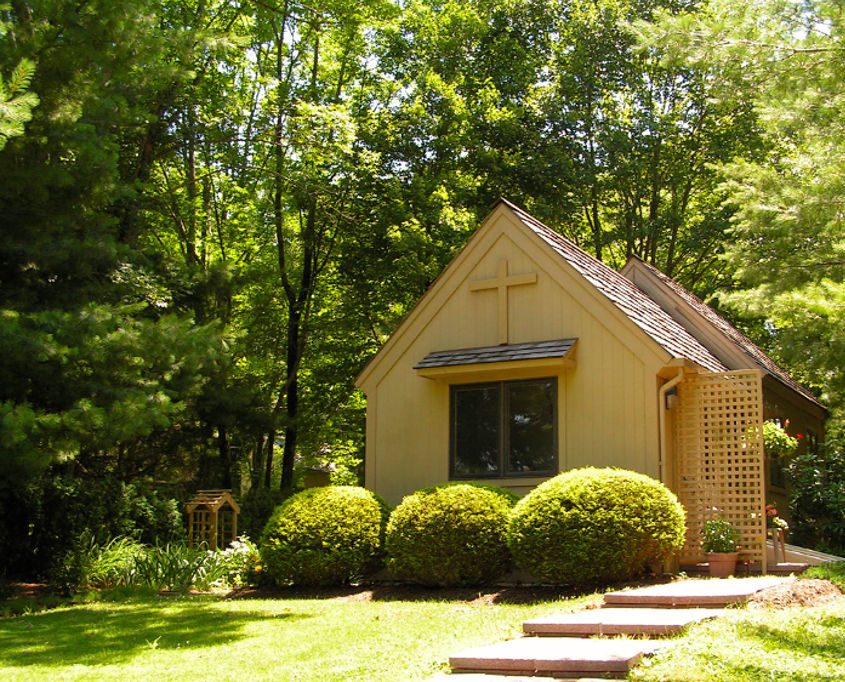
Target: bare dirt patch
(809,592)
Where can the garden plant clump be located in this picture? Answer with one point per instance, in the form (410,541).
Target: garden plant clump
(719,536)
(450,535)
(324,536)
(593,526)
(173,566)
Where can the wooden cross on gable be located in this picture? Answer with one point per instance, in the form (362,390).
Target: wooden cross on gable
(501,282)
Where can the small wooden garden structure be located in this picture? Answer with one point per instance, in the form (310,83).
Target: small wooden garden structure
(212,518)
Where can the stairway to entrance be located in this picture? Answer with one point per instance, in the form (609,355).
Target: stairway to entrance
(586,644)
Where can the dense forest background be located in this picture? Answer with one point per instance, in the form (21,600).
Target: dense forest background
(213,212)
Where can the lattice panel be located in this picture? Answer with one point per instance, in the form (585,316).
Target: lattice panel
(719,446)
(200,527)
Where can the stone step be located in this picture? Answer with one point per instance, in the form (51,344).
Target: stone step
(790,568)
(492,677)
(555,657)
(653,622)
(693,593)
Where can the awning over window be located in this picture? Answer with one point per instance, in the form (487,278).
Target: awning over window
(523,358)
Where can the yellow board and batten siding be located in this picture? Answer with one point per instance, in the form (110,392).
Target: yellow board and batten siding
(606,399)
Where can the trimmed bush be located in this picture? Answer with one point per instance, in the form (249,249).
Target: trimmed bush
(593,526)
(450,535)
(324,536)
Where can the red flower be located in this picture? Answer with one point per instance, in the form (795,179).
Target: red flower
(799,436)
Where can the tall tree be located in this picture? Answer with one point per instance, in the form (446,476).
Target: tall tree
(92,369)
(787,234)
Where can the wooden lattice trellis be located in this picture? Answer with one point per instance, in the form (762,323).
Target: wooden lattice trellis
(212,519)
(720,462)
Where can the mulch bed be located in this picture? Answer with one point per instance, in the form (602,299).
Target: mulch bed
(503,595)
(809,592)
(792,593)
(506,594)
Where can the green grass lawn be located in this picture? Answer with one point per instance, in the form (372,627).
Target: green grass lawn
(388,638)
(796,644)
(285,639)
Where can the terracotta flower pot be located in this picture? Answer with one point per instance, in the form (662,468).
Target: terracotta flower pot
(722,564)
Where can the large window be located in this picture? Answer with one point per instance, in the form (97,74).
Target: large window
(504,429)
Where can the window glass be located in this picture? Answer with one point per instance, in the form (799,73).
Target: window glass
(531,427)
(477,415)
(504,429)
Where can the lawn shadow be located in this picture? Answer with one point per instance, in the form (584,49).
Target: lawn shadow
(102,636)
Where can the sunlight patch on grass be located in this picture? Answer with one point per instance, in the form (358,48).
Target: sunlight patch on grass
(286,639)
(756,644)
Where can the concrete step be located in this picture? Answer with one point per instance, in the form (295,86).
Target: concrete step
(713,593)
(555,657)
(652,622)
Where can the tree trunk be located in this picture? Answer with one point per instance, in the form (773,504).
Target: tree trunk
(268,469)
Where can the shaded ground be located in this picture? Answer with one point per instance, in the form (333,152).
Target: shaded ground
(809,592)
(502,595)
(802,592)
(511,594)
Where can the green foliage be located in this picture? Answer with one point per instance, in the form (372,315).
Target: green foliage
(257,507)
(324,536)
(16,103)
(776,441)
(60,518)
(817,497)
(91,565)
(123,383)
(123,562)
(450,535)
(718,535)
(787,229)
(177,567)
(589,526)
(241,561)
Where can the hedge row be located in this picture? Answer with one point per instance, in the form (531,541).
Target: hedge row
(586,526)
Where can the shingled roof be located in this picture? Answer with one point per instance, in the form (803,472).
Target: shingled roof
(538,350)
(626,296)
(727,330)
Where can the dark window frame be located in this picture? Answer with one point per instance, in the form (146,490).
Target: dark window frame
(503,431)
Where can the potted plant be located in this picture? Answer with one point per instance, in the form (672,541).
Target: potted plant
(720,542)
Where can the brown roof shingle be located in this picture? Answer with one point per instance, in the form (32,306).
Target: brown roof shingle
(503,353)
(625,295)
(736,337)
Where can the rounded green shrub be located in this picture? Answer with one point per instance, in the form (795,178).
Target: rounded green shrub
(450,535)
(324,536)
(593,526)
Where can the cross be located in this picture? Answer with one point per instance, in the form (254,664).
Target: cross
(501,282)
